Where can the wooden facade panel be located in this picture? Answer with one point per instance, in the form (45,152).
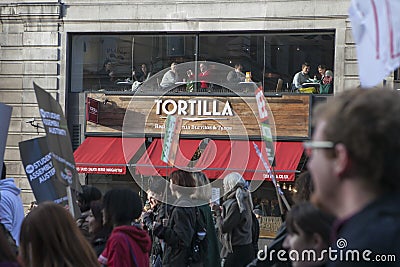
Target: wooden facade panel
(202,115)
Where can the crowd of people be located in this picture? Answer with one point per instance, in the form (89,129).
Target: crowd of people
(321,83)
(205,76)
(346,210)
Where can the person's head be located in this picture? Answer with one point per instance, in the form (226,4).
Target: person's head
(95,217)
(235,186)
(50,237)
(173,66)
(328,78)
(304,186)
(89,194)
(233,180)
(107,64)
(329,73)
(157,186)
(238,67)
(144,67)
(121,206)
(182,183)
(203,187)
(152,200)
(305,67)
(355,142)
(3,172)
(156,190)
(322,69)
(203,67)
(308,228)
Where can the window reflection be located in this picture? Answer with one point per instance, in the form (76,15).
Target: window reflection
(115,62)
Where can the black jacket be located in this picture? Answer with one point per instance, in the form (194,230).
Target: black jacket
(178,234)
(375,228)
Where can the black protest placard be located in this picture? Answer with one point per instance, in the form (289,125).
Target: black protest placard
(58,139)
(5,116)
(41,174)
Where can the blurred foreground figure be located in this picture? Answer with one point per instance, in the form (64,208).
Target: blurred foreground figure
(8,256)
(128,245)
(50,237)
(264,258)
(308,230)
(355,166)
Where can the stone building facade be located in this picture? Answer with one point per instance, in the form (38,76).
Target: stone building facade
(35,44)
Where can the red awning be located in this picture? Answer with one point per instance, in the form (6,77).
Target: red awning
(223,156)
(151,164)
(106,155)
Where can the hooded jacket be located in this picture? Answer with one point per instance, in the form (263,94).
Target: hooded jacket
(127,246)
(11,208)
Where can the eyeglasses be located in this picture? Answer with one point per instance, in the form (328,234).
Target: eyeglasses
(310,145)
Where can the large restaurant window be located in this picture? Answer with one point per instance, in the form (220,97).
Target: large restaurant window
(105,62)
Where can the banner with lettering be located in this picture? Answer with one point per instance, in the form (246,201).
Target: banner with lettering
(376,31)
(263,117)
(173,125)
(5,117)
(40,171)
(58,138)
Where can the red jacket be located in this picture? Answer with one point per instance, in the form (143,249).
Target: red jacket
(127,246)
(204,77)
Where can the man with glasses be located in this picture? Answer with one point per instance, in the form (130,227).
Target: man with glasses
(355,165)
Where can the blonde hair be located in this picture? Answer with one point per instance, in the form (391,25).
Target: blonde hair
(233,179)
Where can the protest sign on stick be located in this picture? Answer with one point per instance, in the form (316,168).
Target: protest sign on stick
(40,171)
(58,142)
(266,133)
(5,117)
(173,125)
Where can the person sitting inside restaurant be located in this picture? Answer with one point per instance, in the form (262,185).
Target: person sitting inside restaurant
(170,77)
(106,75)
(301,77)
(321,72)
(204,75)
(326,84)
(143,74)
(236,75)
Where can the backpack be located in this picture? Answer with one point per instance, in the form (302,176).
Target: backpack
(199,244)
